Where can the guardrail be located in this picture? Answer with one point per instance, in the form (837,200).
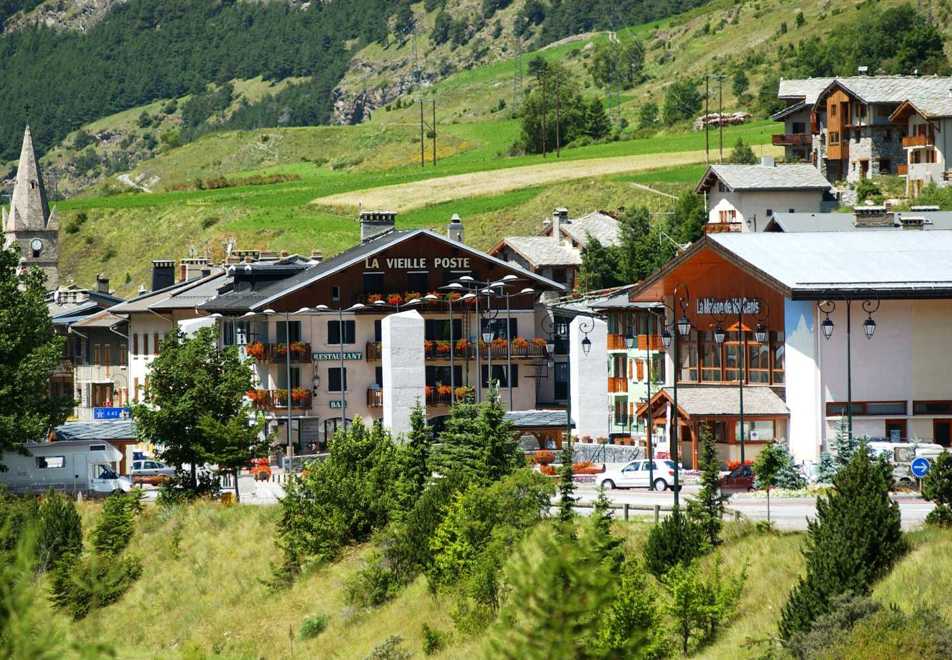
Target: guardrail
(627,508)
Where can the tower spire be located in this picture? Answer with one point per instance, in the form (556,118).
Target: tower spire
(29,208)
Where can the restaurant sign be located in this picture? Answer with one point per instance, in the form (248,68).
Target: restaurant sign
(338,356)
(417,263)
(726,306)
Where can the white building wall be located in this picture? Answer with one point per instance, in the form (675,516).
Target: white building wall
(404,376)
(144,324)
(588,378)
(752,207)
(802,380)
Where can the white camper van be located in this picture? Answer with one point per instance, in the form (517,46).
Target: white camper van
(74,466)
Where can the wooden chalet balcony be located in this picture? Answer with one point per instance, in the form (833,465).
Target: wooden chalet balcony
(649,343)
(440,395)
(918,141)
(465,349)
(300,352)
(902,170)
(792,139)
(616,342)
(617,384)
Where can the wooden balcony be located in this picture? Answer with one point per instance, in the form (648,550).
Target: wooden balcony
(616,342)
(723,227)
(792,140)
(441,395)
(617,384)
(650,343)
(465,349)
(278,353)
(918,141)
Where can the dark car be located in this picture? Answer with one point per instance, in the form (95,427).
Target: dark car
(738,480)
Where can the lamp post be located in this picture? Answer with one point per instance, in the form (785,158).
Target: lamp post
(502,289)
(630,340)
(340,343)
(682,327)
(453,288)
(869,329)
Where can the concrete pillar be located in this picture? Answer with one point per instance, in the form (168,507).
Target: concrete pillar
(802,380)
(404,374)
(588,378)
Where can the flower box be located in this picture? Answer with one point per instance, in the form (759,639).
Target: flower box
(256,350)
(394,299)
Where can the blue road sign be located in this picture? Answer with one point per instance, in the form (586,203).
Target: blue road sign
(920,467)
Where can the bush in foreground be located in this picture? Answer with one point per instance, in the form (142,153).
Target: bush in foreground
(937,488)
(854,540)
(313,626)
(675,540)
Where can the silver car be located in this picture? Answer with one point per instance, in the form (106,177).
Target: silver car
(150,471)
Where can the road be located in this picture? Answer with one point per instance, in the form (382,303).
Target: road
(787,513)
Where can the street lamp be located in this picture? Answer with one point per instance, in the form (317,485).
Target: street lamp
(869,329)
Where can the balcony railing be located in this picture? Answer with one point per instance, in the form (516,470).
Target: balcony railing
(617,384)
(616,342)
(464,348)
(792,139)
(300,352)
(723,227)
(649,343)
(277,399)
(918,141)
(440,395)
(375,397)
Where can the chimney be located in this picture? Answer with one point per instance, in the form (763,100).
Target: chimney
(454,231)
(768,161)
(192,268)
(316,257)
(560,216)
(163,273)
(102,283)
(376,223)
(872,215)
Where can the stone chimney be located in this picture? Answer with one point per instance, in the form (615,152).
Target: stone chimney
(560,217)
(163,273)
(192,268)
(454,231)
(102,283)
(768,161)
(376,223)
(873,215)
(316,257)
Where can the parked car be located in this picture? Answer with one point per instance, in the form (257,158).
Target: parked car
(738,480)
(261,469)
(638,474)
(150,471)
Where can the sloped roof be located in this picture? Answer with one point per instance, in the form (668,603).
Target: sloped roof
(928,107)
(830,222)
(535,419)
(118,429)
(806,89)
(543,251)
(715,400)
(151,299)
(799,176)
(892,89)
(600,226)
(103,319)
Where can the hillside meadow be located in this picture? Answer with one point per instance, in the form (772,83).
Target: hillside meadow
(204,593)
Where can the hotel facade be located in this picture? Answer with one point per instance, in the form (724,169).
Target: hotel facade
(766,320)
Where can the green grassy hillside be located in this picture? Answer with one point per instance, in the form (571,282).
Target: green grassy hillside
(202,593)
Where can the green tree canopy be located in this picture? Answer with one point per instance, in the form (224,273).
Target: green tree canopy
(742,154)
(682,101)
(30,350)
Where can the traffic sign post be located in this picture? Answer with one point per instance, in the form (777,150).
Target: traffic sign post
(919,468)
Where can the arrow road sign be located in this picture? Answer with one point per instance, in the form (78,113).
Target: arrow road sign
(919,467)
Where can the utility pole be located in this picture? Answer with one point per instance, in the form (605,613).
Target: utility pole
(707,112)
(545,112)
(433,130)
(558,137)
(422,136)
(720,112)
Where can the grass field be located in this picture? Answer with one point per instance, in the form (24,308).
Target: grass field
(202,593)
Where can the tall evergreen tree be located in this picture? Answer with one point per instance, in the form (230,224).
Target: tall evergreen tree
(937,488)
(501,453)
(567,489)
(413,463)
(742,154)
(853,541)
(597,124)
(605,545)
(707,509)
(29,352)
(637,250)
(457,450)
(599,269)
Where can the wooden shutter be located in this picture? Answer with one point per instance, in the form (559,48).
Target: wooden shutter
(641,370)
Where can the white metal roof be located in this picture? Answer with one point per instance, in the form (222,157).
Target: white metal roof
(899,261)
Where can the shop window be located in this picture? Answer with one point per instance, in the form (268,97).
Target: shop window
(866,408)
(283,378)
(758,363)
(334,335)
(373,283)
(757,431)
(733,351)
(932,407)
(437,375)
(688,354)
(710,358)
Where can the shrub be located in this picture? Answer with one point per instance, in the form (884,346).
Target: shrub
(675,540)
(406,545)
(313,626)
(83,585)
(937,488)
(699,604)
(890,633)
(433,641)
(854,540)
(390,649)
(178,489)
(846,610)
(373,585)
(116,523)
(59,529)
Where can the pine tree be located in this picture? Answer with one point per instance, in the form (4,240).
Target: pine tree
(458,451)
(597,122)
(937,488)
(501,453)
(413,463)
(675,540)
(557,595)
(843,449)
(637,249)
(566,488)
(605,546)
(853,541)
(59,529)
(742,154)
(707,509)
(632,625)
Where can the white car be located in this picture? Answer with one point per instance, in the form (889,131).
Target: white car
(638,474)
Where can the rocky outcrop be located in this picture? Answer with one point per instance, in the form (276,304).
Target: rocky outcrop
(78,15)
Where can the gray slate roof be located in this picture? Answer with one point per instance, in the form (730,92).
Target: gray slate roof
(597,224)
(894,89)
(899,264)
(543,251)
(765,177)
(803,88)
(163,297)
(616,298)
(118,429)
(530,419)
(704,400)
(933,106)
(829,222)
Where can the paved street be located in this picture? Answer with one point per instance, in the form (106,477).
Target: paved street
(786,513)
